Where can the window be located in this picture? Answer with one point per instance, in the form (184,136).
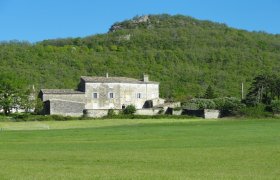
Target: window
(95,95)
(111,95)
(138,95)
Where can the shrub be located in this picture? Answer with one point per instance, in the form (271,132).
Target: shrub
(229,105)
(202,103)
(111,112)
(39,106)
(275,106)
(257,111)
(161,111)
(177,108)
(130,109)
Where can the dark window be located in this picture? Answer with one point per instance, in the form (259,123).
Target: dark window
(111,95)
(139,96)
(95,95)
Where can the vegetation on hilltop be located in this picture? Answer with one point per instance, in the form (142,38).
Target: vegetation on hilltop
(184,54)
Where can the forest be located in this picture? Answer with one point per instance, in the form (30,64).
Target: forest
(184,54)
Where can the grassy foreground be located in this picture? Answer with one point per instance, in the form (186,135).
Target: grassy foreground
(141,149)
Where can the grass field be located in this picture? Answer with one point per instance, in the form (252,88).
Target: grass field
(141,149)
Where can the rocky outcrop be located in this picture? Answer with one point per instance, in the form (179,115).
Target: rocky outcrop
(141,19)
(131,23)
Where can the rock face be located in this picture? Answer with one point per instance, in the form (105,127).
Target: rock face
(137,20)
(115,28)
(141,19)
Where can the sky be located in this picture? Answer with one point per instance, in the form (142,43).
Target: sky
(37,20)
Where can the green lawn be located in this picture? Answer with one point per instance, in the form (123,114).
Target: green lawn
(141,149)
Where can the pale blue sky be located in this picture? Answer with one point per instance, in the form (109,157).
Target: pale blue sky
(36,20)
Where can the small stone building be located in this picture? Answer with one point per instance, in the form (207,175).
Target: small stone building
(96,95)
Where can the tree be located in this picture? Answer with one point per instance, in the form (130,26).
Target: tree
(209,93)
(262,90)
(11,93)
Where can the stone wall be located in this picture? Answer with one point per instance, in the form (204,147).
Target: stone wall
(98,113)
(206,113)
(65,108)
(148,112)
(211,114)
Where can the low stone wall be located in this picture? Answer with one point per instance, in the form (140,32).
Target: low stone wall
(211,114)
(206,113)
(148,112)
(98,113)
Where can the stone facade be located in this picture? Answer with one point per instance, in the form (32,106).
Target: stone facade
(119,95)
(101,93)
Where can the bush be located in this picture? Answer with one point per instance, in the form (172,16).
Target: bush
(201,104)
(161,111)
(229,105)
(39,106)
(111,112)
(130,109)
(177,108)
(258,111)
(275,106)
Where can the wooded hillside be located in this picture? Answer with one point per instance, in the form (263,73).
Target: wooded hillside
(184,54)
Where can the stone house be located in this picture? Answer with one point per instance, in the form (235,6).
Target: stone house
(96,95)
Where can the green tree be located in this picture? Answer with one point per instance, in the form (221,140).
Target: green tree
(262,90)
(12,93)
(209,93)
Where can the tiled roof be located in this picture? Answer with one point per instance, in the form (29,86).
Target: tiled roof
(61,91)
(115,80)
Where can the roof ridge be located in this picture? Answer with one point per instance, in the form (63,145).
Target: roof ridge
(61,91)
(103,79)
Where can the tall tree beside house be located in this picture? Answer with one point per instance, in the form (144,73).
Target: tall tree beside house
(12,93)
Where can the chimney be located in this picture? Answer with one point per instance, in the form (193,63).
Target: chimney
(145,78)
(107,75)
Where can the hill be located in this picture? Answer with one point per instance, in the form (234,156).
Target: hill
(184,54)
